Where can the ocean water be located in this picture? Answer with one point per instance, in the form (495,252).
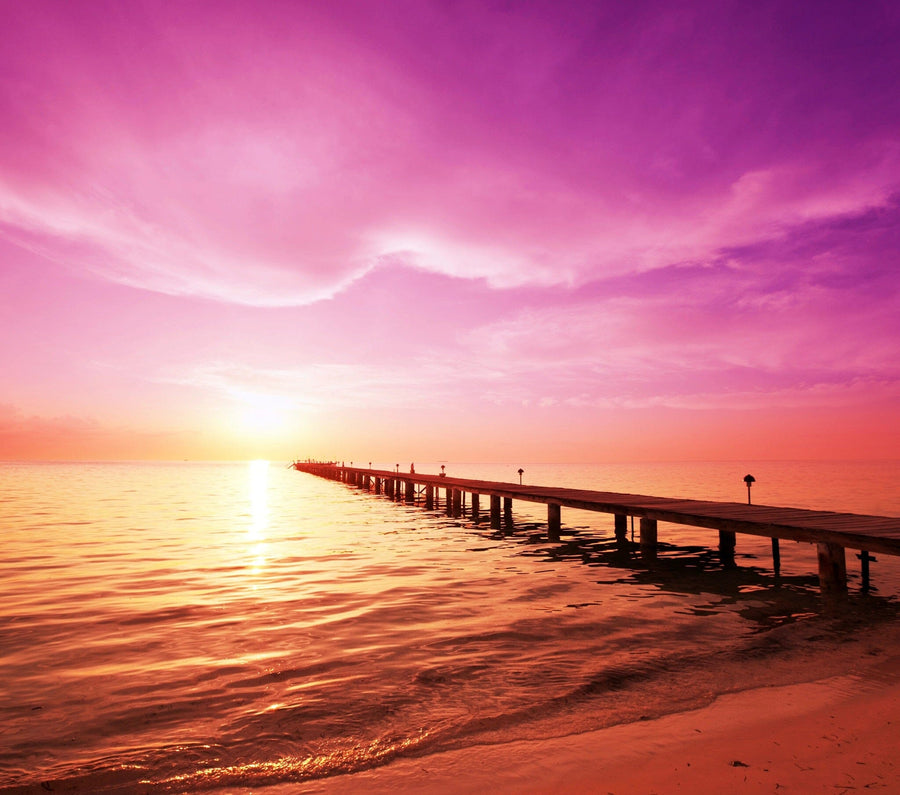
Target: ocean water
(180,627)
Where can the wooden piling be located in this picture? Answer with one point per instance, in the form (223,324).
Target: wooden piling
(864,558)
(476,504)
(410,491)
(495,512)
(776,556)
(648,538)
(507,513)
(457,502)
(832,567)
(726,548)
(554,521)
(448,507)
(429,497)
(621,527)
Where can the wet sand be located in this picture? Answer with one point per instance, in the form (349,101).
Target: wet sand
(836,735)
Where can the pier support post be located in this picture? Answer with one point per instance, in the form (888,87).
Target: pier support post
(726,548)
(507,513)
(864,558)
(648,538)
(389,488)
(495,512)
(621,525)
(378,485)
(476,505)
(832,568)
(429,497)
(410,491)
(776,556)
(554,521)
(457,503)
(448,502)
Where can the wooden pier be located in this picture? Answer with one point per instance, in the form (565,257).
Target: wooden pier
(833,533)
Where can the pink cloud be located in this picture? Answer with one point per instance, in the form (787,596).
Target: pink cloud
(271,159)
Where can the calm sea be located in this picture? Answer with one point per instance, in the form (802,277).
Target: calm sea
(190,627)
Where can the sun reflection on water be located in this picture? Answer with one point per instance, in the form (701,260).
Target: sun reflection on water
(259,514)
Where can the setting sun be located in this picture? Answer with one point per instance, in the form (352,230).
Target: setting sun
(263,414)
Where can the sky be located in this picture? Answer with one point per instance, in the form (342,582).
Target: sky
(449,230)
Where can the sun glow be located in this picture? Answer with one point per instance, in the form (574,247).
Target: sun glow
(263,414)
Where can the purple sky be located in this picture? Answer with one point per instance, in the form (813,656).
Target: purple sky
(545,231)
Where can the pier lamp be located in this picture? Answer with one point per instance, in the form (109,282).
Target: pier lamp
(370,464)
(749,480)
(521,472)
(398,467)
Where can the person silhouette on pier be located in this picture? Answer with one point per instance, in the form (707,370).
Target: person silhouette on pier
(412,469)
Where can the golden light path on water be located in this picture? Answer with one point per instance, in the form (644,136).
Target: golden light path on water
(259,514)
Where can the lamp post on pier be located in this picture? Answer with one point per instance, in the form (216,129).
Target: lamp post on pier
(749,480)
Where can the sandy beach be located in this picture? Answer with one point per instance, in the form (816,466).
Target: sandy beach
(835,735)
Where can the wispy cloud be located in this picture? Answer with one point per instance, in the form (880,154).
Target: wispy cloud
(276,176)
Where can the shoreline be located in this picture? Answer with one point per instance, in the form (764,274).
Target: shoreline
(833,735)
